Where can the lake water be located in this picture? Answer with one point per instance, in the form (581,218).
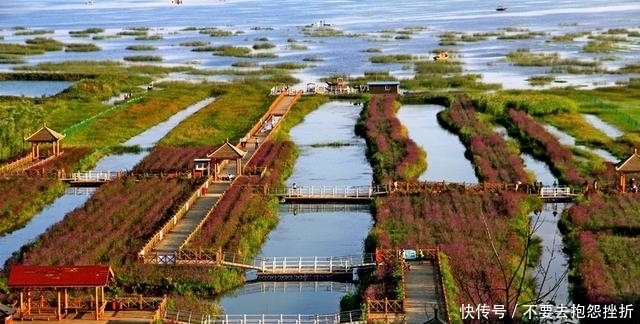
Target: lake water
(365,25)
(32,88)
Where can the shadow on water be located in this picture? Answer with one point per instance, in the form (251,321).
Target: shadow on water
(73,199)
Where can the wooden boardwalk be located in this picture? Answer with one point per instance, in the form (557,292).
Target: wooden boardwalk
(422,293)
(172,241)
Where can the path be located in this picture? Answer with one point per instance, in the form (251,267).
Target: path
(172,241)
(422,292)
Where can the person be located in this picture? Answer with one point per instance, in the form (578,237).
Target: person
(243,142)
(257,142)
(294,186)
(518,183)
(395,185)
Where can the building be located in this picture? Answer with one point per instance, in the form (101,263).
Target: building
(384,87)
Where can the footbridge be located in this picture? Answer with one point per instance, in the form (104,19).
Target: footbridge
(91,178)
(355,316)
(285,268)
(364,194)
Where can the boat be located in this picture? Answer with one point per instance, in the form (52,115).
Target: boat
(501,8)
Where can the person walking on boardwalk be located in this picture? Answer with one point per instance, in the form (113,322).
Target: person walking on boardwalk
(243,142)
(257,142)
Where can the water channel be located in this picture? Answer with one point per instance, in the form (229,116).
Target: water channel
(71,200)
(322,231)
(445,161)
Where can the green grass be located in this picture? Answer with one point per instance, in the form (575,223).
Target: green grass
(143,58)
(81,47)
(141,48)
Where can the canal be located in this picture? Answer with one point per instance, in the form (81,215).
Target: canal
(73,199)
(330,154)
(446,162)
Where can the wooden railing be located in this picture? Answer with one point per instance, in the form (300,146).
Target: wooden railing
(171,223)
(27,160)
(328,191)
(385,306)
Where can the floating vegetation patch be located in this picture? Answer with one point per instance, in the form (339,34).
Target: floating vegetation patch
(143,58)
(11,59)
(141,48)
(439,67)
(135,33)
(297,47)
(393,58)
(372,50)
(244,64)
(263,46)
(630,68)
(313,59)
(568,37)
(195,44)
(324,32)
(216,32)
(262,39)
(81,47)
(520,35)
(149,37)
(540,80)
(47,44)
(124,149)
(331,144)
(287,66)
(601,47)
(32,32)
(86,32)
(20,49)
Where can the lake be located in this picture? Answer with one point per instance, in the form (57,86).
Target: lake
(365,28)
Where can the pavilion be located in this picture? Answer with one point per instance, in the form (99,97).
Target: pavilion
(35,279)
(630,165)
(227,152)
(44,135)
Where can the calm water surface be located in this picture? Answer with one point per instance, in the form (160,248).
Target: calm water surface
(445,152)
(320,232)
(32,88)
(368,24)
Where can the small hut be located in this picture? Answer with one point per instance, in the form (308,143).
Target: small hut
(44,135)
(629,165)
(384,87)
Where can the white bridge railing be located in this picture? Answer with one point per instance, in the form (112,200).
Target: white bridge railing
(345,317)
(312,264)
(555,192)
(94,176)
(329,191)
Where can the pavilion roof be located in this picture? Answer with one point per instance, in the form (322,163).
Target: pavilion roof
(631,164)
(28,276)
(227,151)
(45,134)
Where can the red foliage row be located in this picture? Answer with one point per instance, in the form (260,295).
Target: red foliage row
(168,159)
(493,159)
(592,270)
(383,130)
(459,221)
(114,223)
(561,157)
(620,212)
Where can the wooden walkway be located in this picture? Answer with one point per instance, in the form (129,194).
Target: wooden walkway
(422,293)
(171,242)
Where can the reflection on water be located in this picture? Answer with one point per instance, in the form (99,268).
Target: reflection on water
(73,199)
(445,152)
(333,230)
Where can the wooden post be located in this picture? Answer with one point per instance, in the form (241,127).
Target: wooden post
(58,305)
(96,302)
(66,299)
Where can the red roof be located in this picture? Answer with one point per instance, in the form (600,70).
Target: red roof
(22,276)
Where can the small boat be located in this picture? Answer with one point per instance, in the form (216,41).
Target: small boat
(501,8)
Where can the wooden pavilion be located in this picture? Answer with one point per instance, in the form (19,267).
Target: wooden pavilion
(32,279)
(225,153)
(44,135)
(630,165)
